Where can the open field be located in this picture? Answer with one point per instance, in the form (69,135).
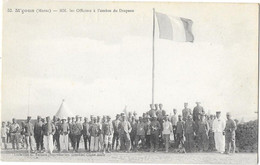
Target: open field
(138,157)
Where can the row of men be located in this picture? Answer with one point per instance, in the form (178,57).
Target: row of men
(153,129)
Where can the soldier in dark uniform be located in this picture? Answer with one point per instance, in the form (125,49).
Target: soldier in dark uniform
(203,134)
(230,134)
(189,134)
(86,135)
(116,133)
(179,132)
(155,130)
(152,110)
(186,112)
(56,136)
(38,134)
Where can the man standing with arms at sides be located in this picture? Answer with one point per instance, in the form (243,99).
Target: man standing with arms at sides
(219,132)
(38,134)
(179,131)
(167,130)
(8,140)
(196,114)
(70,137)
(108,133)
(203,134)
(4,131)
(14,132)
(116,133)
(189,134)
(174,120)
(133,123)
(56,136)
(48,132)
(77,131)
(230,134)
(100,133)
(147,132)
(86,135)
(64,138)
(211,134)
(155,130)
(93,131)
(152,110)
(186,112)
(140,134)
(29,134)
(124,128)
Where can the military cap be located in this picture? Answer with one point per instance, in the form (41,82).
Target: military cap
(72,117)
(185,103)
(123,115)
(228,114)
(117,115)
(63,118)
(197,102)
(218,112)
(48,117)
(109,117)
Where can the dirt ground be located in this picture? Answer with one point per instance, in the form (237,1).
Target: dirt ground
(138,157)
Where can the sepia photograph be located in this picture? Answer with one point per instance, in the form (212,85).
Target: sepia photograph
(129,82)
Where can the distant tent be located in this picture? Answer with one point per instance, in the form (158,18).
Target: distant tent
(63,111)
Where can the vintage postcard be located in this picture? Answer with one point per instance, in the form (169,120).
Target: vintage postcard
(129,82)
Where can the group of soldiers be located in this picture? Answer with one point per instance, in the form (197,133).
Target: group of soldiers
(154,130)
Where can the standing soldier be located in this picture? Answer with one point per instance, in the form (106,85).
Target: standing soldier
(38,135)
(48,132)
(179,132)
(196,114)
(64,138)
(86,135)
(124,128)
(94,131)
(14,132)
(155,130)
(140,134)
(70,136)
(100,133)
(152,110)
(174,120)
(4,131)
(230,134)
(219,132)
(211,134)
(56,136)
(186,112)
(133,123)
(189,134)
(147,132)
(116,133)
(29,134)
(77,132)
(203,134)
(167,130)
(108,133)
(8,132)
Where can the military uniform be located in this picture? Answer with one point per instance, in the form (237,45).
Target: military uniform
(179,133)
(230,135)
(14,132)
(38,135)
(94,133)
(124,130)
(56,136)
(189,128)
(86,135)
(211,136)
(29,136)
(64,137)
(203,135)
(155,128)
(140,134)
(185,113)
(116,133)
(108,131)
(76,131)
(133,133)
(48,132)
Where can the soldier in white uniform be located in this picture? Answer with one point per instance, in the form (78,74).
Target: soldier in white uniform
(219,132)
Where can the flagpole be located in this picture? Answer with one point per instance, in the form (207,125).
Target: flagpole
(153,65)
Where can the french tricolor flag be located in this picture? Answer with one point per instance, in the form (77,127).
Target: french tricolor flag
(174,28)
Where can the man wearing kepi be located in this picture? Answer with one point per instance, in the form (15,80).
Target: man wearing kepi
(124,130)
(230,134)
(86,135)
(155,130)
(48,132)
(219,131)
(64,137)
(14,132)
(29,134)
(38,135)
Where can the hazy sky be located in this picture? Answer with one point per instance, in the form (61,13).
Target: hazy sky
(100,62)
